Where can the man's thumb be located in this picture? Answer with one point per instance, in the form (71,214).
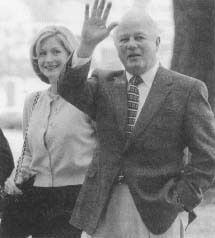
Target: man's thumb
(111,26)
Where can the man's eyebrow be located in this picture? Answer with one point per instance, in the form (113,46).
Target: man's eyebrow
(124,35)
(134,33)
(140,33)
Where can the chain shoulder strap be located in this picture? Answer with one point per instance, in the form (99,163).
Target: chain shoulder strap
(21,158)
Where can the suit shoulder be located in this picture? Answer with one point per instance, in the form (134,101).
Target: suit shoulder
(183,80)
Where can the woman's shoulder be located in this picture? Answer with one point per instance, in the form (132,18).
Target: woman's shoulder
(29,99)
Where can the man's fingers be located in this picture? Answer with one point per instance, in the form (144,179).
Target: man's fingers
(111,26)
(94,9)
(101,8)
(106,12)
(87,10)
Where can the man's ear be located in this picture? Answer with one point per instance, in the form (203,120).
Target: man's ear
(158,41)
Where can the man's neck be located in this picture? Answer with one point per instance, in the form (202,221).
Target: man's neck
(148,75)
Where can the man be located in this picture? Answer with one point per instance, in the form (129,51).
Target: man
(138,183)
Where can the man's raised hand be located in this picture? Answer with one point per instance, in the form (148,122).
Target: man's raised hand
(94,28)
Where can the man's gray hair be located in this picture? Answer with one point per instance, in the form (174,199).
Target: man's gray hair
(137,15)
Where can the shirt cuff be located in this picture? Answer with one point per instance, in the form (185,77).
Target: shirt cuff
(77,61)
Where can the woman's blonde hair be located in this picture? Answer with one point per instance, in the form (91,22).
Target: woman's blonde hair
(62,34)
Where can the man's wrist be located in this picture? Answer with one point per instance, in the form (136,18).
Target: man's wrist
(85,50)
(177,200)
(77,61)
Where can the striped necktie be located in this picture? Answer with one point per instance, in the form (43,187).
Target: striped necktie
(133,102)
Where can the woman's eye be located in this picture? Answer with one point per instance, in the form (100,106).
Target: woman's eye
(56,52)
(42,53)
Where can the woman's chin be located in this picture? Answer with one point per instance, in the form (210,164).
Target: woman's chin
(52,77)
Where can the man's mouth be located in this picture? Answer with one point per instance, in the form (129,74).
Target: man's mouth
(132,56)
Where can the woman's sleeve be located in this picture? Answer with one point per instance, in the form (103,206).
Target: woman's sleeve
(25,120)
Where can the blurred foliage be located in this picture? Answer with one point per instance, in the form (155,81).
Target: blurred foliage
(11,120)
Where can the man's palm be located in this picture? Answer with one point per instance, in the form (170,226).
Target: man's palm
(94,28)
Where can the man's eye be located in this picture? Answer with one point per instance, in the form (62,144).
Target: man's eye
(123,40)
(139,38)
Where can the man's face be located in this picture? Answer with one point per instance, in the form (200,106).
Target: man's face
(137,46)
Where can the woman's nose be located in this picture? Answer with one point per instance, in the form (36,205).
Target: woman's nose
(49,57)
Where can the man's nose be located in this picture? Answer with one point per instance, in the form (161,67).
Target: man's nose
(131,43)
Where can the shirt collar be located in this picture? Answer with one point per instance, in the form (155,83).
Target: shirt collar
(52,95)
(147,77)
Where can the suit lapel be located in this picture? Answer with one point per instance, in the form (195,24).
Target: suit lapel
(159,91)
(119,99)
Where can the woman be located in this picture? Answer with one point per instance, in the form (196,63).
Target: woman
(60,144)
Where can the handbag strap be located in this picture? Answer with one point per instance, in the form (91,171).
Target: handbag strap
(21,158)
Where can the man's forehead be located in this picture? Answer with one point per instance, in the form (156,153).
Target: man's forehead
(133,27)
(136,16)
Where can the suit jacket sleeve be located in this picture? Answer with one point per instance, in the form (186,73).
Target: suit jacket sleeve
(6,159)
(75,87)
(199,130)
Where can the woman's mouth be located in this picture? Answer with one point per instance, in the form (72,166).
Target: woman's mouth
(50,67)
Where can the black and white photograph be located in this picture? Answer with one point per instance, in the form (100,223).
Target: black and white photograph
(107,119)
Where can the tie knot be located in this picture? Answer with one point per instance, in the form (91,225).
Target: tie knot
(136,80)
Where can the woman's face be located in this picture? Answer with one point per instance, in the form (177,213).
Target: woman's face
(52,57)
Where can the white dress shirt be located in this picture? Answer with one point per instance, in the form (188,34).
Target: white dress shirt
(145,86)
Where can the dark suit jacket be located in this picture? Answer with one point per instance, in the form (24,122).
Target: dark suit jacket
(176,114)
(6,162)
(6,159)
